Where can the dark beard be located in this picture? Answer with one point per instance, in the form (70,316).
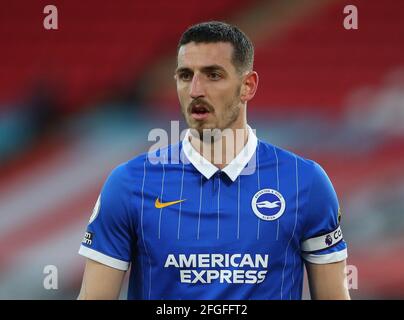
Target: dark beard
(212,135)
(232,110)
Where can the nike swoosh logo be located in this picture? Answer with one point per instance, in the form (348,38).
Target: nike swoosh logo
(160,205)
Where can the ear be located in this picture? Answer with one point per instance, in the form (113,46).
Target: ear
(249,86)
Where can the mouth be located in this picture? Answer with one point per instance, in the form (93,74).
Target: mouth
(200,112)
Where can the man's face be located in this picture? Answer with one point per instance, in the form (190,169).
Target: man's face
(208,85)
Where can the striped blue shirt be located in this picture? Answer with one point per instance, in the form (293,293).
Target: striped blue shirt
(191,231)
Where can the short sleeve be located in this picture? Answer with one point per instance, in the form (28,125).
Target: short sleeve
(322,240)
(109,234)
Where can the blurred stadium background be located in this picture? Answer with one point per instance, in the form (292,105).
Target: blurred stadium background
(77,101)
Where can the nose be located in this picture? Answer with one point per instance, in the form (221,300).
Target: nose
(196,89)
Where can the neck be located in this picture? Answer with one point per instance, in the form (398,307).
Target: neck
(222,148)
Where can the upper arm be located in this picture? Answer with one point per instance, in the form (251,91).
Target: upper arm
(323,247)
(100,282)
(322,240)
(109,239)
(328,281)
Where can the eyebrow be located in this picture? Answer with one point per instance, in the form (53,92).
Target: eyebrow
(213,67)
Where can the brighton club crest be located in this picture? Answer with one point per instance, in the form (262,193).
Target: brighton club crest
(268,204)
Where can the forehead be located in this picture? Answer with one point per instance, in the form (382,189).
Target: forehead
(198,55)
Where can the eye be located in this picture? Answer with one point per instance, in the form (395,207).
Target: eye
(185,76)
(214,76)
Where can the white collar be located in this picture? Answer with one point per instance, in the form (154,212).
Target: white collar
(233,169)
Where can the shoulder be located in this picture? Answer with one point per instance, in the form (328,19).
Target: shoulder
(135,168)
(288,158)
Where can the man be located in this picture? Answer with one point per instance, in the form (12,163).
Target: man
(239,228)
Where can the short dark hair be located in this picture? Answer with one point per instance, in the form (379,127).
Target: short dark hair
(216,31)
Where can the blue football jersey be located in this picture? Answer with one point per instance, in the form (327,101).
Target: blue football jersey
(188,230)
